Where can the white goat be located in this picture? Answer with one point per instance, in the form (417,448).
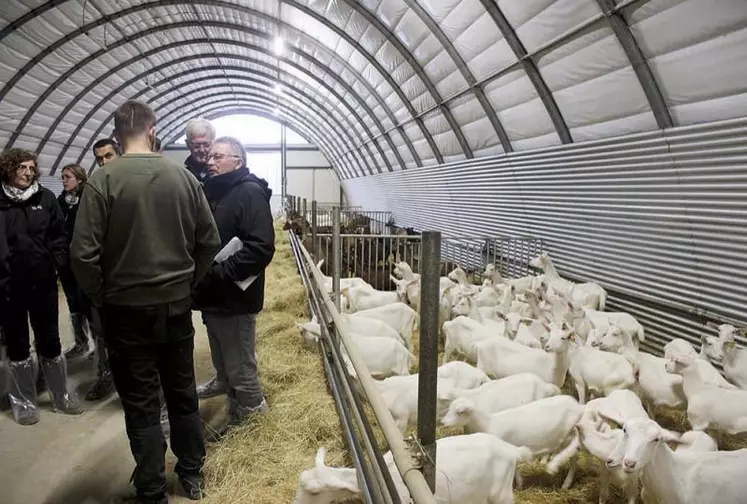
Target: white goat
(467,307)
(459,276)
(709,406)
(345,283)
(544,426)
(734,359)
(688,477)
(585,319)
(498,395)
(408,291)
(590,369)
(500,357)
(589,294)
(398,316)
(461,333)
(400,393)
(365,298)
(475,468)
(382,356)
(696,441)
(707,372)
(363,326)
(657,387)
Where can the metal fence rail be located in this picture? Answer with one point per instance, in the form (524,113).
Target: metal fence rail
(372,257)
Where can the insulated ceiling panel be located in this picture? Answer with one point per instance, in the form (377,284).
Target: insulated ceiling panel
(387,84)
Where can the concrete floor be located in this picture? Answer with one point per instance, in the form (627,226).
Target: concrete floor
(82,459)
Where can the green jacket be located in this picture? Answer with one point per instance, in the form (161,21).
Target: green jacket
(144,234)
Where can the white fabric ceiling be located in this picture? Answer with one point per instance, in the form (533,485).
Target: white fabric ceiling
(378,85)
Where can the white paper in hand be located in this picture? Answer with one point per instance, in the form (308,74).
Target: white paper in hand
(233,246)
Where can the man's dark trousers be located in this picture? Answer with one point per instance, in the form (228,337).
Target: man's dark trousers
(150,347)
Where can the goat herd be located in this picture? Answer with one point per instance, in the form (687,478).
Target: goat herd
(525,337)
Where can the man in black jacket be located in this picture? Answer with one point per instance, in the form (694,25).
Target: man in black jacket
(241,207)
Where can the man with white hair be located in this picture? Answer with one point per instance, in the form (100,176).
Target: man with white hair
(200,136)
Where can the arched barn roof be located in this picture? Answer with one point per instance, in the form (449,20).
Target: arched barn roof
(378,85)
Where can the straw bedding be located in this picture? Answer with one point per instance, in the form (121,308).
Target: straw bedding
(261,462)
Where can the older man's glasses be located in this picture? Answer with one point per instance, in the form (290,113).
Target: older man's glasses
(219,157)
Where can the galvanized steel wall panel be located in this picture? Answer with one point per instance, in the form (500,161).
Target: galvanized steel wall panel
(658,219)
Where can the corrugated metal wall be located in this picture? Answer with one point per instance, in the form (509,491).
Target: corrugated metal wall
(658,219)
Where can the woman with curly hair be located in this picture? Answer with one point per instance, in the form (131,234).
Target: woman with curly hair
(74,178)
(36,249)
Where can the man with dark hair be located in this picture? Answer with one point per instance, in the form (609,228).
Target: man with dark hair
(144,237)
(105,151)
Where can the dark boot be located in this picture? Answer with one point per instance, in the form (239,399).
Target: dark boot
(104,385)
(188,445)
(211,388)
(55,373)
(80,331)
(102,388)
(149,451)
(22,392)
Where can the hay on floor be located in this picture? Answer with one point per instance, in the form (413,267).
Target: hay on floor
(261,462)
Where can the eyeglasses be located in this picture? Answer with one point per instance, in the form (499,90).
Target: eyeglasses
(24,168)
(219,157)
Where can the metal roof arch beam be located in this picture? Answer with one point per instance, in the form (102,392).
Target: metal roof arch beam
(220,104)
(221,3)
(310,99)
(300,122)
(339,133)
(638,61)
(376,23)
(530,68)
(465,71)
(254,110)
(297,102)
(182,43)
(140,93)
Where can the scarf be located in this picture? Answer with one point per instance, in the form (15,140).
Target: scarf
(20,195)
(71,199)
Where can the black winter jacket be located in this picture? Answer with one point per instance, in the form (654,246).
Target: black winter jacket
(4,271)
(36,241)
(199,170)
(241,207)
(69,213)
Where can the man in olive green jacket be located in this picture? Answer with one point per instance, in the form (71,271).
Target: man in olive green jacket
(143,238)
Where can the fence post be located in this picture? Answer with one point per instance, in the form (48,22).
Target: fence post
(304,230)
(313,230)
(336,263)
(430,267)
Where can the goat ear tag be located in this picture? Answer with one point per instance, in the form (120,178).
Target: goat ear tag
(730,344)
